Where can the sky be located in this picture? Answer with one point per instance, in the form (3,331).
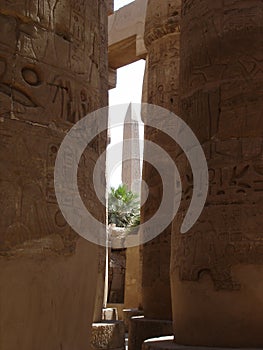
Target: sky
(120,3)
(128,89)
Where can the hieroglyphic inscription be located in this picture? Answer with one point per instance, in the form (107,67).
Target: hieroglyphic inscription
(222,102)
(28,202)
(162,42)
(220,240)
(57,54)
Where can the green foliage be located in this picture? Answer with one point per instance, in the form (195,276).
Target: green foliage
(123,207)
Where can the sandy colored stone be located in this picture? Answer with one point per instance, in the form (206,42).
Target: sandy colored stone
(164,343)
(168,343)
(133,275)
(162,41)
(117,276)
(131,168)
(42,299)
(108,335)
(110,4)
(53,59)
(119,308)
(216,267)
(141,328)
(128,314)
(53,71)
(126,31)
(97,317)
(109,314)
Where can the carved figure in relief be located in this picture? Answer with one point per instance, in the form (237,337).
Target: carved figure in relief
(40,9)
(215,251)
(210,251)
(52,6)
(28,216)
(74,102)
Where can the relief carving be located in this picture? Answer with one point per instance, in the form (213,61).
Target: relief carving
(220,101)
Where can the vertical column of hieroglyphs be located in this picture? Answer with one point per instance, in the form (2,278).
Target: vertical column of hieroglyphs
(218,265)
(53,71)
(162,42)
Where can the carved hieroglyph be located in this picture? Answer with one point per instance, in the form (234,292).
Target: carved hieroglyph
(162,42)
(220,258)
(52,59)
(53,71)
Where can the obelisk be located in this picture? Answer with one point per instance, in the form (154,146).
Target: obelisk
(131,168)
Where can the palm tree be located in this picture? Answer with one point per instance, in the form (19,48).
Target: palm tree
(123,207)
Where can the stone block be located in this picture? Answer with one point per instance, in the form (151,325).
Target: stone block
(126,30)
(143,328)
(119,308)
(127,314)
(110,314)
(167,343)
(108,335)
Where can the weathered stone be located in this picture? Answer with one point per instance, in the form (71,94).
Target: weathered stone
(117,276)
(117,236)
(110,4)
(108,335)
(164,343)
(100,288)
(53,71)
(131,167)
(162,41)
(128,314)
(133,275)
(141,329)
(52,67)
(126,30)
(119,308)
(112,76)
(217,266)
(168,343)
(109,314)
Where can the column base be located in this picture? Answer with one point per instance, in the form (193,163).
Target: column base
(143,328)
(108,335)
(128,314)
(167,343)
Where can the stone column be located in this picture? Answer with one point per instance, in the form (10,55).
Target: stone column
(53,71)
(162,43)
(217,267)
(110,4)
(132,297)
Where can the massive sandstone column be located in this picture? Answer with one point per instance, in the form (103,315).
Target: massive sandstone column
(53,71)
(217,267)
(162,42)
